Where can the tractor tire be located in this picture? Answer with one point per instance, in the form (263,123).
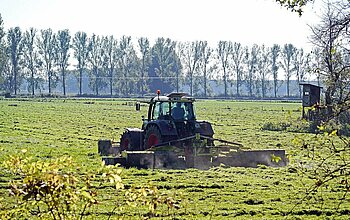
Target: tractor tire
(152,137)
(129,141)
(125,141)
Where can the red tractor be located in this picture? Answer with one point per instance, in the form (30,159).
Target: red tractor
(171,120)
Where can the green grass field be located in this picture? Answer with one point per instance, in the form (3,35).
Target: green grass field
(51,128)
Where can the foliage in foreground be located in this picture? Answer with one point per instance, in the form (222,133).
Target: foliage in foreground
(325,160)
(54,190)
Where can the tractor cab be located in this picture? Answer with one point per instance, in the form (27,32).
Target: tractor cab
(175,106)
(173,114)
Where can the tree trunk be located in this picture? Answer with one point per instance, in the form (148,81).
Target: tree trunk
(205,82)
(238,81)
(177,82)
(33,83)
(263,88)
(15,79)
(191,84)
(111,83)
(64,82)
(287,87)
(225,84)
(49,82)
(80,81)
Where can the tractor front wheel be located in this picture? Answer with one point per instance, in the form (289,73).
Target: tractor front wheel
(152,137)
(131,140)
(125,141)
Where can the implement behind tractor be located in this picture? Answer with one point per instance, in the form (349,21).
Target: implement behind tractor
(172,138)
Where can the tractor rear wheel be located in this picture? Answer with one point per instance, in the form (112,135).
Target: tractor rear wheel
(152,137)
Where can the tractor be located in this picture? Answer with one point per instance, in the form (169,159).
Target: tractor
(172,138)
(170,119)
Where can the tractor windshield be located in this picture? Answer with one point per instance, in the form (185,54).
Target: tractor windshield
(182,111)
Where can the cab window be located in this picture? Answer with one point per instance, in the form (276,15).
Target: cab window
(161,110)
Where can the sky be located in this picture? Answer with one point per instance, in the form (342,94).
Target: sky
(244,21)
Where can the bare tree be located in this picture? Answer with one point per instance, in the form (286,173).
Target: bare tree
(31,59)
(110,59)
(288,54)
(264,64)
(3,54)
(205,60)
(300,67)
(251,59)
(46,44)
(190,54)
(81,52)
(224,51)
(331,37)
(275,52)
(15,41)
(238,63)
(62,54)
(315,64)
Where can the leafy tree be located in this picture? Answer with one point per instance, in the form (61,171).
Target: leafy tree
(96,62)
(128,65)
(62,54)
(31,59)
(264,64)
(238,59)
(15,40)
(46,44)
(275,52)
(251,59)
(81,53)
(295,5)
(224,51)
(145,51)
(110,59)
(177,67)
(164,63)
(190,53)
(288,54)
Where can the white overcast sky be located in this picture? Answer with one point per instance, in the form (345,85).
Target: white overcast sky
(245,21)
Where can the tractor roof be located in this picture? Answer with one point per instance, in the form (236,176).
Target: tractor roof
(175,96)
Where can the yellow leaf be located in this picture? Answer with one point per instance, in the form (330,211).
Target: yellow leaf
(333,133)
(275,159)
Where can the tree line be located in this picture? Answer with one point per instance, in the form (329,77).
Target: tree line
(44,59)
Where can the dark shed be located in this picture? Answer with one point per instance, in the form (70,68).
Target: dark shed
(311,94)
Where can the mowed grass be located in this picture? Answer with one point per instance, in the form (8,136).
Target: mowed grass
(51,128)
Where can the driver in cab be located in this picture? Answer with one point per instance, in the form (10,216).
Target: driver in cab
(177,112)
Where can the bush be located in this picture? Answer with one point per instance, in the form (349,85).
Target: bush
(52,189)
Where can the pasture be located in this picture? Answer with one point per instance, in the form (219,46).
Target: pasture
(52,128)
